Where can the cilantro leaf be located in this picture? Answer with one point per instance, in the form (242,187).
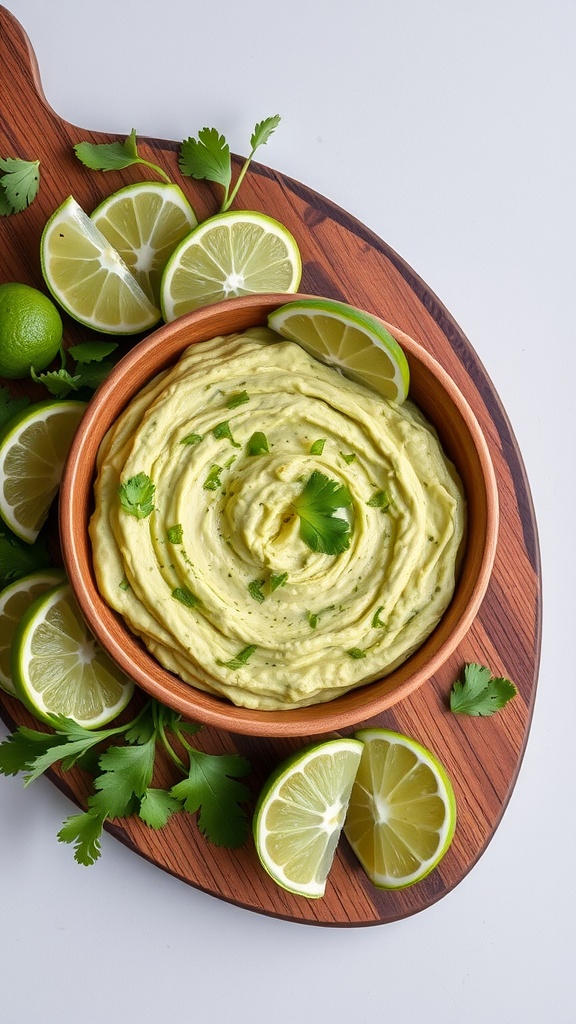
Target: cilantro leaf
(175,534)
(186,597)
(238,398)
(192,439)
(263,130)
(257,444)
(211,788)
(381,500)
(213,481)
(58,382)
(21,748)
(126,773)
(19,184)
(320,528)
(10,406)
(137,495)
(83,831)
(92,351)
(222,431)
(479,693)
(114,156)
(157,806)
(255,590)
(240,659)
(17,558)
(277,580)
(207,157)
(318,446)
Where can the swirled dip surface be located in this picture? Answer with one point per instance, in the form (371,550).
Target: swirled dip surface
(217,579)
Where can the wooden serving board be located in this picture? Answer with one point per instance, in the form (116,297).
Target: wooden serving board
(345,260)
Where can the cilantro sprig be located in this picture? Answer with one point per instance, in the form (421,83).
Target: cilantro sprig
(122,782)
(19,184)
(479,693)
(115,156)
(208,157)
(320,528)
(90,368)
(17,558)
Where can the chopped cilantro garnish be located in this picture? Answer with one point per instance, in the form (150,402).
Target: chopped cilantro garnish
(213,481)
(240,659)
(381,500)
(175,533)
(356,652)
(348,458)
(318,446)
(257,444)
(278,581)
(377,622)
(255,590)
(238,398)
(187,597)
(222,430)
(192,439)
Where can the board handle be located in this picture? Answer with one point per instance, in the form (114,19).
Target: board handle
(19,65)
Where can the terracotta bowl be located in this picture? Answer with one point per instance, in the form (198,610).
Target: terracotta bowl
(440,400)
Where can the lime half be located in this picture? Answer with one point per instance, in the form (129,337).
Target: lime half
(234,253)
(15,600)
(33,449)
(58,668)
(88,278)
(300,814)
(402,811)
(349,339)
(145,222)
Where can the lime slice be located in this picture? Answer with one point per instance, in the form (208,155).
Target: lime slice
(145,223)
(87,276)
(300,814)
(231,254)
(349,339)
(33,450)
(58,668)
(15,599)
(402,811)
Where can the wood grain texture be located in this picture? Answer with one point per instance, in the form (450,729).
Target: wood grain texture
(342,259)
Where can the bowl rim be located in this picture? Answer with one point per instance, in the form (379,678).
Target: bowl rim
(357,705)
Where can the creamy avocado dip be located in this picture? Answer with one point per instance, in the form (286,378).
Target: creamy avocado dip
(274,532)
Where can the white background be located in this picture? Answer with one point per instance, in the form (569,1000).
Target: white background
(446,126)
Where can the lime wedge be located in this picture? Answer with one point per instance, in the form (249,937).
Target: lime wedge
(402,811)
(58,668)
(300,814)
(87,276)
(33,449)
(354,342)
(231,254)
(15,600)
(145,222)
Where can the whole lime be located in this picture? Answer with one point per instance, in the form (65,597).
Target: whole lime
(30,330)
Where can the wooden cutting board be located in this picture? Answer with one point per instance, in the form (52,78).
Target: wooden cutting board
(345,260)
